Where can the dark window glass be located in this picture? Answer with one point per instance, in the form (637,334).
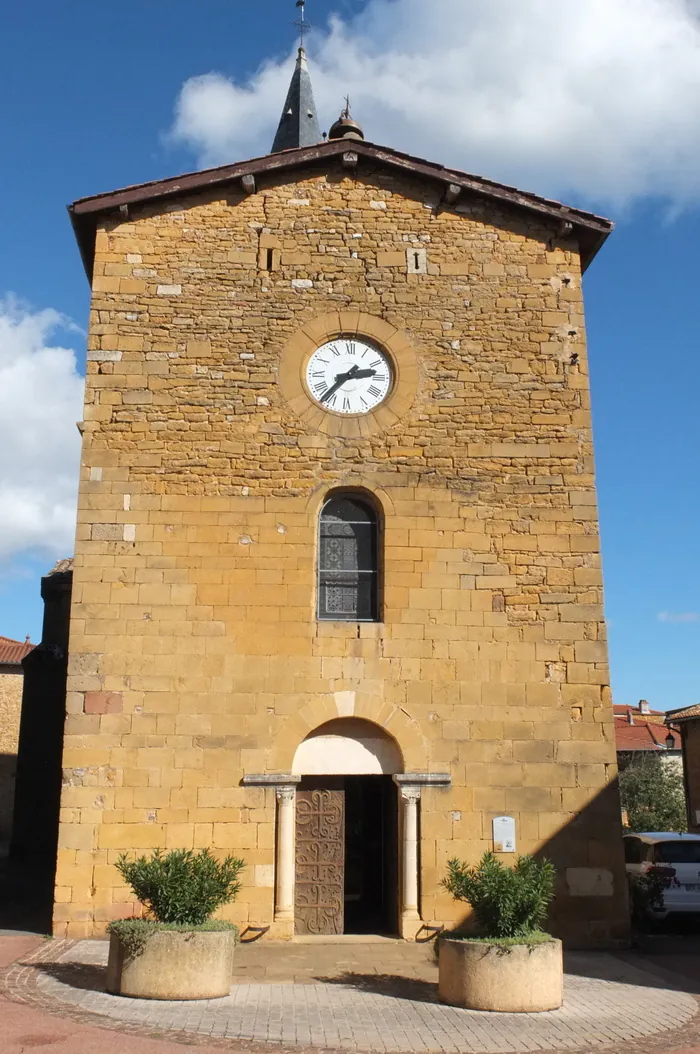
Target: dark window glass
(633,850)
(347,560)
(677,852)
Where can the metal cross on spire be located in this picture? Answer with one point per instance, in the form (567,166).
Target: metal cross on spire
(301,21)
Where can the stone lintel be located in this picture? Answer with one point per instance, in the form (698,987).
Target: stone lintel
(423,779)
(269,779)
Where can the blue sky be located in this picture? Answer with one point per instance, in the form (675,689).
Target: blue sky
(96,97)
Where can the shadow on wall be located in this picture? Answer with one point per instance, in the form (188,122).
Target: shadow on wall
(591,904)
(590,908)
(8,769)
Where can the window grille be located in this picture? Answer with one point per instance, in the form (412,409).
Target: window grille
(348,561)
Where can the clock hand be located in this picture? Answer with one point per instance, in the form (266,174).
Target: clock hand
(354,374)
(361,374)
(340,380)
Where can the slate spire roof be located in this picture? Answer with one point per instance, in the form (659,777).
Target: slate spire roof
(299,122)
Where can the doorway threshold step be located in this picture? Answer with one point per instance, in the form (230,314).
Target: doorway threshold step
(345,938)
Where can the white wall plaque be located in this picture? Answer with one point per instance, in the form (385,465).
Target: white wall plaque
(503,834)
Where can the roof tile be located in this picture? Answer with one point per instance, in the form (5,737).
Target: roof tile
(13,651)
(642,735)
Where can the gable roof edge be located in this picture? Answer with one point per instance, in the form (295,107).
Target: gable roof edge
(592,229)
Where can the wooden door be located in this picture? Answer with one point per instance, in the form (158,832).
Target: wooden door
(320,861)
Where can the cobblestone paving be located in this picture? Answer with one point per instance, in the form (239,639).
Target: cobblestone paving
(608,1002)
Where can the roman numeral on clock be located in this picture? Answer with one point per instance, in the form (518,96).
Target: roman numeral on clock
(320,388)
(346,403)
(350,348)
(373,390)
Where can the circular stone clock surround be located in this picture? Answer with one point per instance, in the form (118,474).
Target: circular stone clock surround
(321,330)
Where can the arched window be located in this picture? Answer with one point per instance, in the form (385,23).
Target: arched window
(348,562)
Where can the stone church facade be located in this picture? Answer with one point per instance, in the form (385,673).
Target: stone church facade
(338,644)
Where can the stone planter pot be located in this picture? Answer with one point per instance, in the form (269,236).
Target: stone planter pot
(518,979)
(173,965)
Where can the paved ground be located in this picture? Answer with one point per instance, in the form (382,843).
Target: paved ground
(26,1026)
(372,996)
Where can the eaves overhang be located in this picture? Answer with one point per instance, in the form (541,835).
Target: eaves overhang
(683,713)
(86,213)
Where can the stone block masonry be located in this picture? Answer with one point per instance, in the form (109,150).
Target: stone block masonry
(196,656)
(11,682)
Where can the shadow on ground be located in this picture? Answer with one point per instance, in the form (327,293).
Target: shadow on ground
(386,984)
(681,972)
(77,975)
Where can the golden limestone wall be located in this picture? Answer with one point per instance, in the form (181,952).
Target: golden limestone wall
(195,653)
(11,681)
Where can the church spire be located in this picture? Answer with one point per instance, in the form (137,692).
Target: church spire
(299,122)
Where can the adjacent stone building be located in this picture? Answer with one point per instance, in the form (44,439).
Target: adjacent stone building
(40,746)
(11,680)
(337,598)
(686,723)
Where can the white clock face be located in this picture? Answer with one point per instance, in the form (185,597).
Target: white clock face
(349,376)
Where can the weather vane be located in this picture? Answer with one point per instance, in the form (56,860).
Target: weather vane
(301,21)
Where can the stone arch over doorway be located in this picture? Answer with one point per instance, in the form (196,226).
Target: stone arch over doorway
(348,746)
(392,720)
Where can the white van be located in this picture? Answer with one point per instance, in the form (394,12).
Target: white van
(675,858)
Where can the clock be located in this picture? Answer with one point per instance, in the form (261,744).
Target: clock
(349,375)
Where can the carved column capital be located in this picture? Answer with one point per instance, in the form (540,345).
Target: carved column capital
(285,792)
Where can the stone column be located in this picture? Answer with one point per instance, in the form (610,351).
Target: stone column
(410,785)
(283,859)
(410,916)
(284,884)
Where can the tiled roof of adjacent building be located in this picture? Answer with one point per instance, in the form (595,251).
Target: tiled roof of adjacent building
(13,651)
(623,709)
(641,728)
(685,713)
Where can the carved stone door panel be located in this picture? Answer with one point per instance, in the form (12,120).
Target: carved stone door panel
(320,861)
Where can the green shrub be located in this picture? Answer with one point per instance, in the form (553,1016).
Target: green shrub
(653,795)
(507,902)
(181,886)
(646,895)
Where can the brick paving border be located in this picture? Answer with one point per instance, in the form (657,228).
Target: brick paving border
(20,983)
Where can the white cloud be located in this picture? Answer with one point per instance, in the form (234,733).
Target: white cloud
(41,397)
(599,99)
(681,616)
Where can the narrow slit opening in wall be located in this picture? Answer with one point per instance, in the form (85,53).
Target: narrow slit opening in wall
(268,259)
(416,261)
